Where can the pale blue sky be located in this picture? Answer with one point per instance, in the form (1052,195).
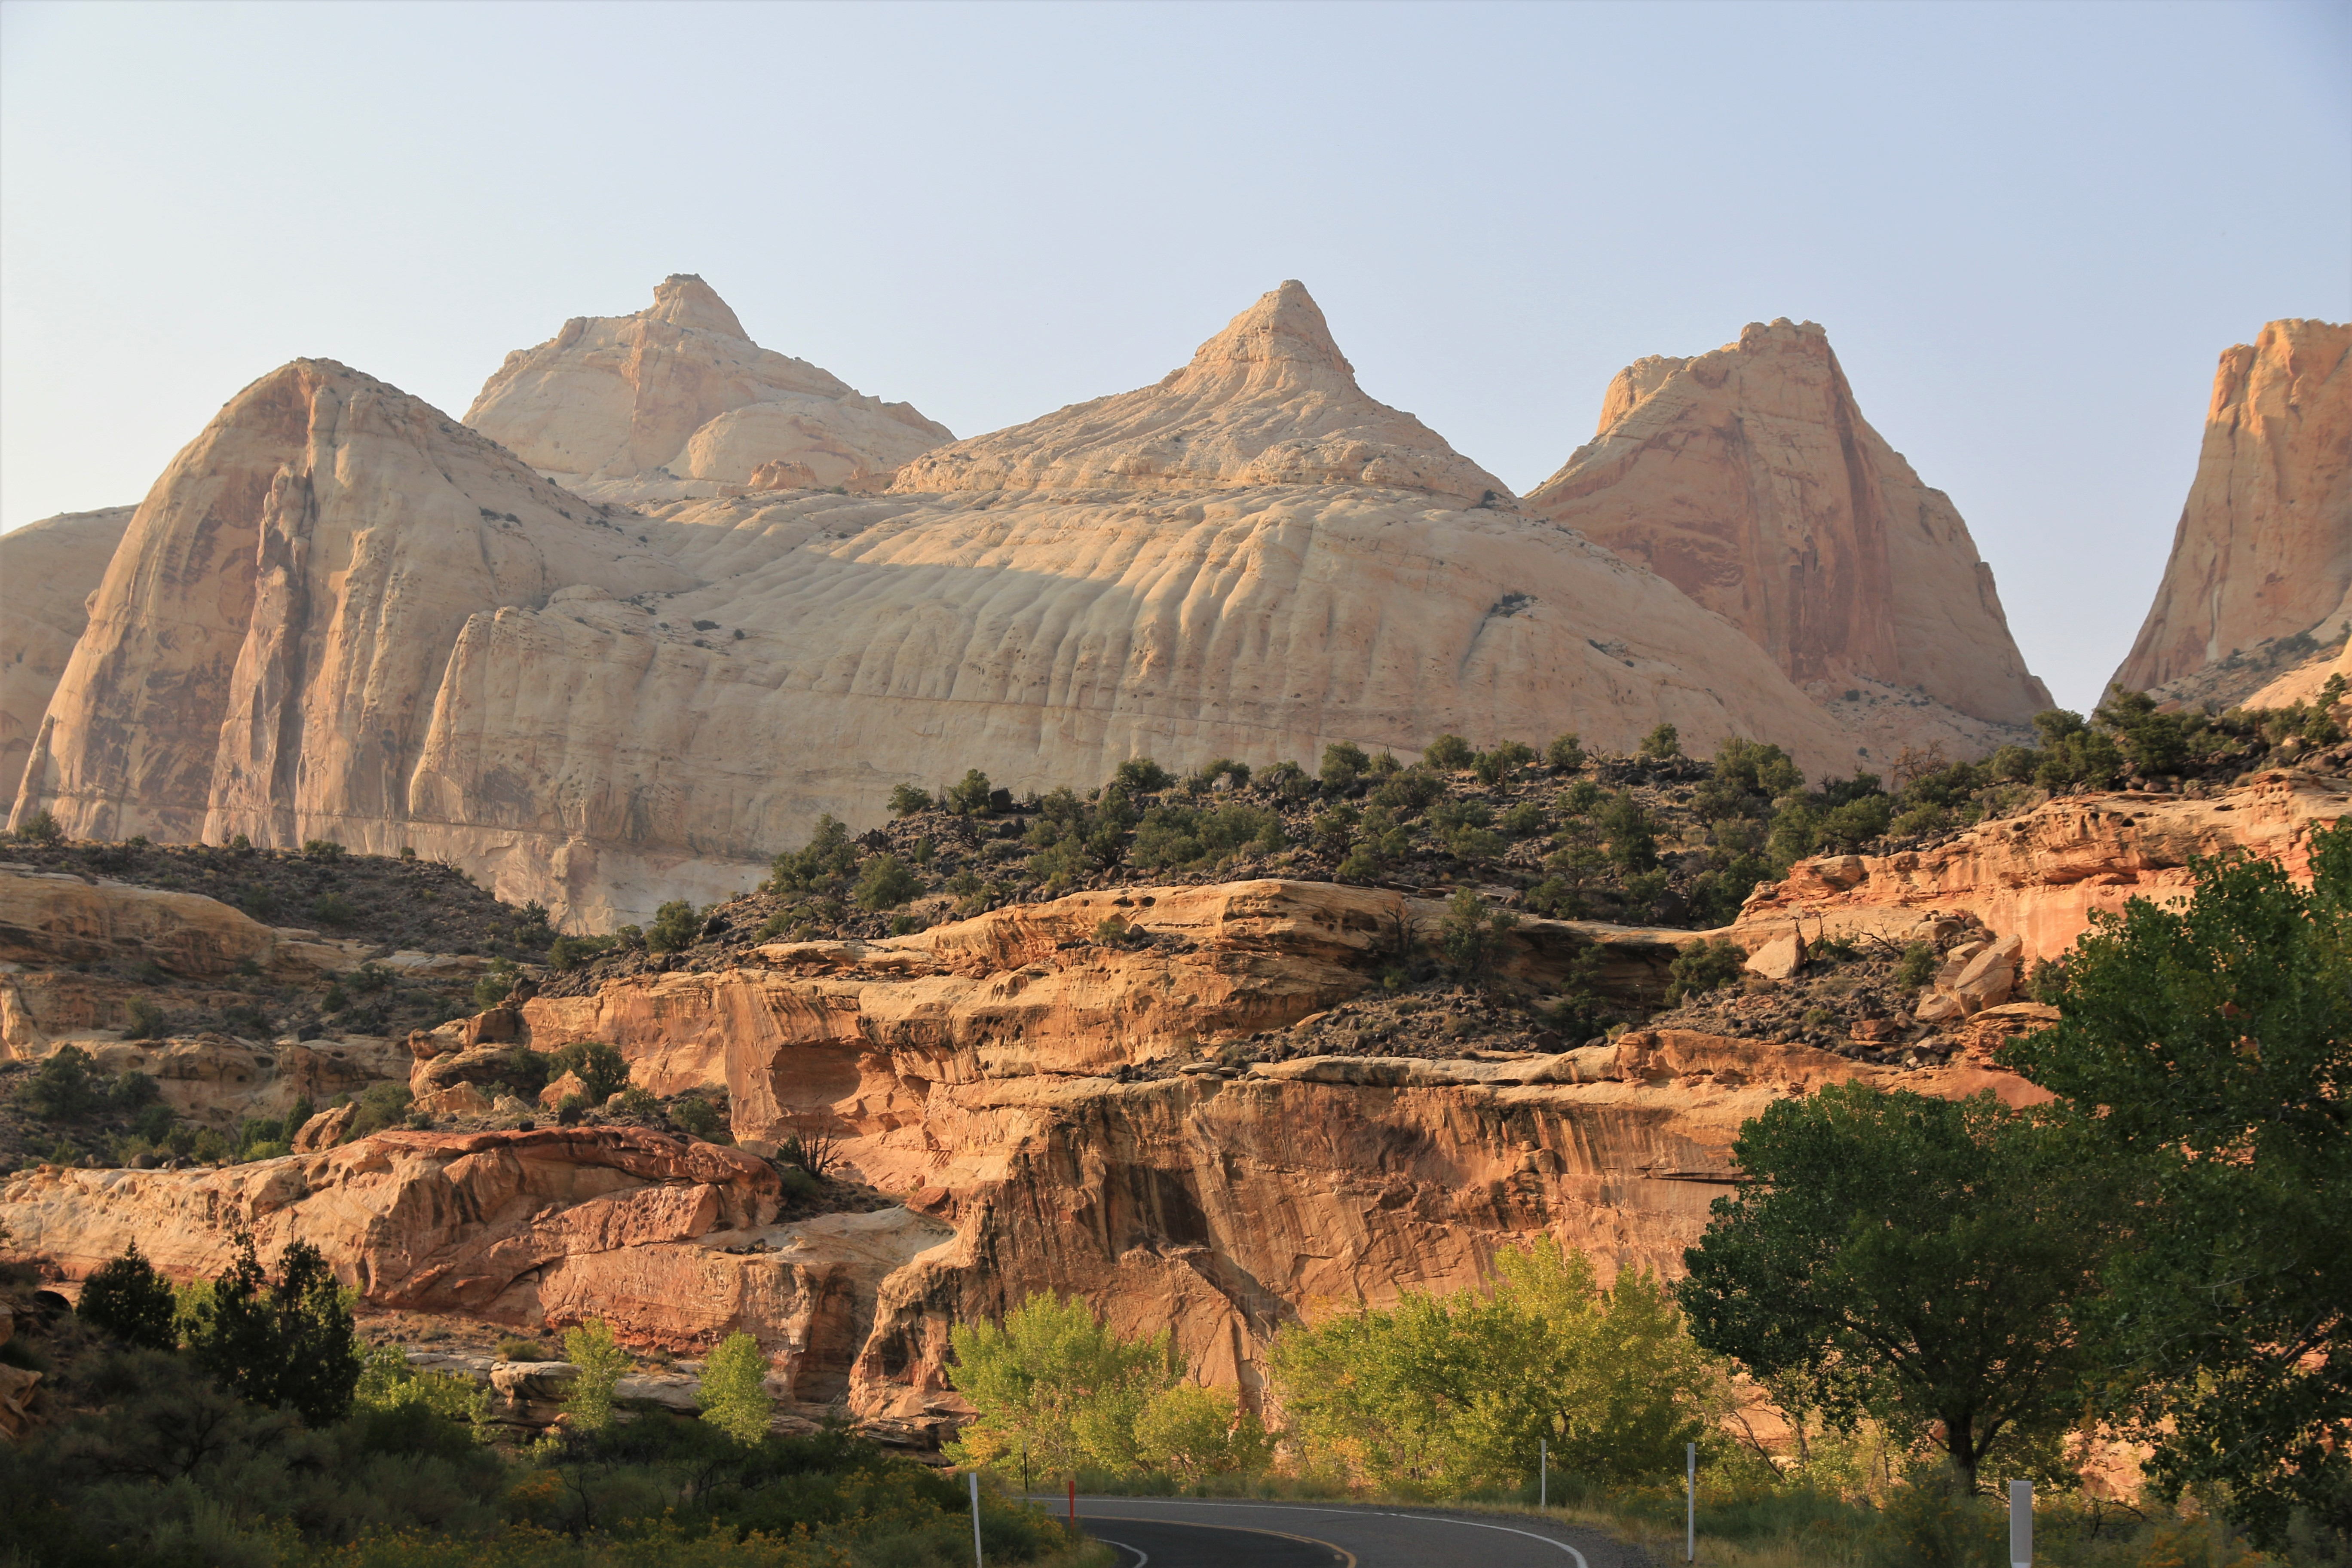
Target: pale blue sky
(2029,229)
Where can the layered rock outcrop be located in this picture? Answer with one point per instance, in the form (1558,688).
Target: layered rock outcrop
(677,400)
(2039,877)
(2263,549)
(1269,400)
(1749,479)
(48,569)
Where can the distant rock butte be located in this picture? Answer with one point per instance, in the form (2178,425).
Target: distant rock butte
(1269,400)
(1749,479)
(678,400)
(47,572)
(2264,550)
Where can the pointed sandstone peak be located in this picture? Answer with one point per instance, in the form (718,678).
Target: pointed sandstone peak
(1270,400)
(683,300)
(2264,550)
(1749,479)
(677,401)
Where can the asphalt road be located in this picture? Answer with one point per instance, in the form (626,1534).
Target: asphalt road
(1185,1533)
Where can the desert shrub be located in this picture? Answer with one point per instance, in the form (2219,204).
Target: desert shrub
(127,1299)
(885,882)
(699,1118)
(1447,754)
(638,1104)
(325,849)
(1631,836)
(1141,775)
(1661,743)
(1343,764)
(599,1066)
(1288,781)
(970,795)
(570,1109)
(1504,762)
(1225,767)
(906,800)
(826,861)
(1178,837)
(381,1105)
(1472,937)
(1566,753)
(1918,965)
(333,909)
(65,1087)
(1702,967)
(40,828)
(676,925)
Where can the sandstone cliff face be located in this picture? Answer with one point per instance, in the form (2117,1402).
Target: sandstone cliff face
(626,406)
(1749,479)
(2263,549)
(48,569)
(1269,401)
(2040,876)
(265,651)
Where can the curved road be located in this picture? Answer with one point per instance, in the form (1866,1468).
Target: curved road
(1186,1533)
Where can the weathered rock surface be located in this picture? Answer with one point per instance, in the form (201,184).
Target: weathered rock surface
(48,569)
(2039,876)
(2263,549)
(265,655)
(342,614)
(1749,479)
(1269,400)
(625,407)
(53,918)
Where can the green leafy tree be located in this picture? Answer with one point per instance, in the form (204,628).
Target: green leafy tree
(1451,1393)
(1343,764)
(387,1382)
(127,1299)
(676,925)
(288,1344)
(906,800)
(1141,775)
(969,796)
(1447,754)
(1919,1261)
(2208,1047)
(1631,837)
(1661,743)
(734,1392)
(1566,753)
(885,882)
(1472,936)
(599,1363)
(1191,1432)
(67,1086)
(600,1067)
(1703,966)
(1054,1382)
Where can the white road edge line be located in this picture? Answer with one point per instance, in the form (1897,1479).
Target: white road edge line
(1141,1556)
(1374,1513)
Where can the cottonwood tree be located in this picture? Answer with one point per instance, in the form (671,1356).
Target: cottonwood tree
(734,1392)
(2207,1049)
(1453,1393)
(1925,1262)
(1056,1383)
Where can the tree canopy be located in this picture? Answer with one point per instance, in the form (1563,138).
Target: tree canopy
(1916,1260)
(2207,1049)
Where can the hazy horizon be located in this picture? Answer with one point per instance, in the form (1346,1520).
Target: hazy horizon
(2030,230)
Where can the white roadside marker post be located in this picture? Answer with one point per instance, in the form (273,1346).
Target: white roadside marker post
(1690,1504)
(2021,1524)
(977,1561)
(1543,1472)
